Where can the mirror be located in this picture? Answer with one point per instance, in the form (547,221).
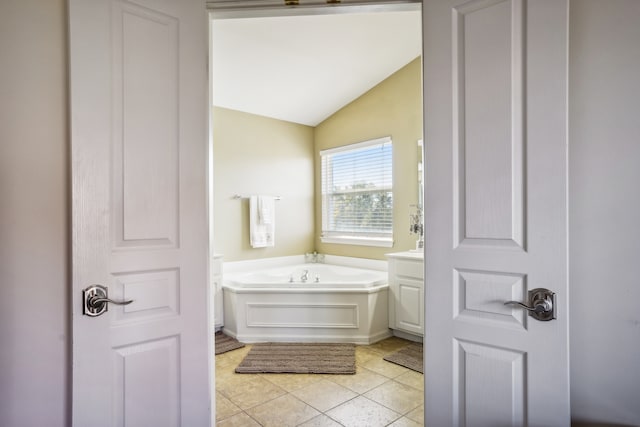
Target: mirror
(420,174)
(416,223)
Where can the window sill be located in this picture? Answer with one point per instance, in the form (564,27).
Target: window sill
(381,242)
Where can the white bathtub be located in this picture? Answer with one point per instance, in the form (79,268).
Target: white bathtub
(336,303)
(318,276)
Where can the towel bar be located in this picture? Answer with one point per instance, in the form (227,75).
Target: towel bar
(238,196)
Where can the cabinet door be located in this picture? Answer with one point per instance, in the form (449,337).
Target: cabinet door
(409,305)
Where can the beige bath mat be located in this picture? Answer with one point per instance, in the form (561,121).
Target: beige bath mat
(299,358)
(225,343)
(409,357)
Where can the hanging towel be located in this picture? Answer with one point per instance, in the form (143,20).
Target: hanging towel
(265,210)
(262,221)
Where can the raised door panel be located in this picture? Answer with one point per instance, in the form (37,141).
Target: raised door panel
(145,124)
(140,368)
(487,123)
(490,386)
(479,298)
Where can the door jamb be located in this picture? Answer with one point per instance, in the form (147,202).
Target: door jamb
(272,8)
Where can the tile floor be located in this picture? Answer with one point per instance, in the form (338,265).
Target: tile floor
(379,394)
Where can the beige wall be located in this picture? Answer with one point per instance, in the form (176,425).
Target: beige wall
(393,108)
(604,206)
(258,155)
(34,215)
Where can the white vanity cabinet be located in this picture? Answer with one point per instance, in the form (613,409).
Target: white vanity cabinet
(406,297)
(216,291)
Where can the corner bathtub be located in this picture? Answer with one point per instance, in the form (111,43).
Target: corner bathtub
(335,304)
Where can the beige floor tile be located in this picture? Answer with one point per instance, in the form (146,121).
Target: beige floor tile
(324,395)
(222,367)
(238,420)
(417,415)
(405,422)
(223,375)
(239,353)
(362,412)
(280,398)
(290,382)
(385,368)
(321,421)
(285,411)
(389,345)
(224,407)
(233,357)
(251,393)
(365,354)
(363,380)
(230,380)
(227,363)
(399,397)
(412,378)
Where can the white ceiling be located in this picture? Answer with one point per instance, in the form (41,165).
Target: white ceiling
(302,69)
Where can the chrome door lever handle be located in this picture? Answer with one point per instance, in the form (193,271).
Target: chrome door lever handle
(541,307)
(96,299)
(542,304)
(93,301)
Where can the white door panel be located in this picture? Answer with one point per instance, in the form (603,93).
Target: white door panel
(496,211)
(139,135)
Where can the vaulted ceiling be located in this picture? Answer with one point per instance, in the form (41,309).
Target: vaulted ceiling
(302,69)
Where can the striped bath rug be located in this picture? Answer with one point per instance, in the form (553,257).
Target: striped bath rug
(409,357)
(225,343)
(299,358)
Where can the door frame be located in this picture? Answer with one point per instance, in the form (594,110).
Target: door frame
(220,9)
(217,10)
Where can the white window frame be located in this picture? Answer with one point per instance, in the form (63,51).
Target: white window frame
(352,238)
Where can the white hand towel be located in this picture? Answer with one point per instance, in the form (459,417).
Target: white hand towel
(261,235)
(266,207)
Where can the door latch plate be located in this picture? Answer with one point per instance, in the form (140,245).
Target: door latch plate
(89,295)
(542,297)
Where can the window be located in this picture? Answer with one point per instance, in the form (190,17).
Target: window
(357,194)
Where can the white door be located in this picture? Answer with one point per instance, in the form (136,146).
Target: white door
(495,93)
(139,134)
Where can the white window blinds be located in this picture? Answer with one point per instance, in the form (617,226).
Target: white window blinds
(357,193)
